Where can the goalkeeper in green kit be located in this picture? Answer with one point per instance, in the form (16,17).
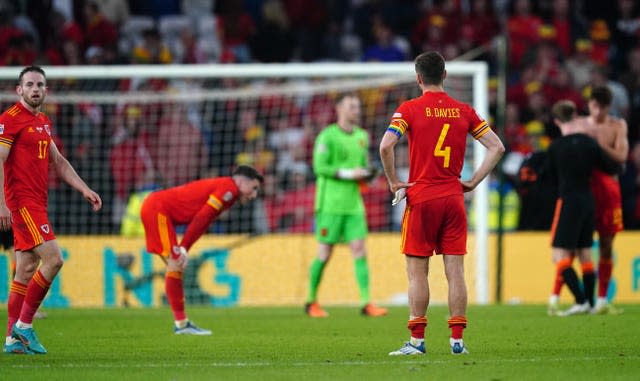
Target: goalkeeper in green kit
(340,163)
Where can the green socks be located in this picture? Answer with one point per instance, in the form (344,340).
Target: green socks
(362,278)
(315,276)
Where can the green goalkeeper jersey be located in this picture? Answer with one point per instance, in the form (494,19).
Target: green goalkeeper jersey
(337,149)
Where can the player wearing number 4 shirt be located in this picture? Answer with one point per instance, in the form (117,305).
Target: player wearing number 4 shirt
(436,127)
(196,204)
(26,150)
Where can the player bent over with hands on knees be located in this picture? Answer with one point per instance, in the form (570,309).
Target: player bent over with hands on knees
(26,150)
(195,204)
(436,127)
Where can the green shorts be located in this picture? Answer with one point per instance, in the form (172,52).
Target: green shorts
(336,228)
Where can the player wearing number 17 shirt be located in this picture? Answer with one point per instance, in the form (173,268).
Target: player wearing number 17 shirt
(26,150)
(436,127)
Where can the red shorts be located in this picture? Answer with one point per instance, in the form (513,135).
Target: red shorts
(439,225)
(606,193)
(158,228)
(31,228)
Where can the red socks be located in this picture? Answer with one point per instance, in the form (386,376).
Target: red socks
(16,298)
(416,325)
(457,325)
(175,294)
(36,291)
(605,267)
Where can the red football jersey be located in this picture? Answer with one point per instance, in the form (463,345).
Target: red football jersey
(26,170)
(436,126)
(183,202)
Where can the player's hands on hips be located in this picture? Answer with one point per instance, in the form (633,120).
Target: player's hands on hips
(5,218)
(93,198)
(399,191)
(467,185)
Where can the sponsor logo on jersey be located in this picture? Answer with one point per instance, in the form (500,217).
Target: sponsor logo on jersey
(45,228)
(228,196)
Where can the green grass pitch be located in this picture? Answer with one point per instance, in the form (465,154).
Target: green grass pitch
(506,343)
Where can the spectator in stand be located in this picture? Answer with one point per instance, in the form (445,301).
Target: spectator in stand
(116,11)
(626,31)
(631,81)
(273,41)
(567,24)
(179,137)
(580,64)
(8,31)
(484,21)
(21,51)
(98,31)
(522,29)
(152,50)
(438,26)
(235,28)
(383,49)
(130,158)
(561,87)
(600,41)
(515,133)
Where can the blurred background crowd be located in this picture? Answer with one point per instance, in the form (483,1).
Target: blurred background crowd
(557,49)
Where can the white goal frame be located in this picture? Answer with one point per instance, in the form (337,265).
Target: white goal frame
(478,71)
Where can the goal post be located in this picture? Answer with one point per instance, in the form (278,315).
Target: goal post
(214,88)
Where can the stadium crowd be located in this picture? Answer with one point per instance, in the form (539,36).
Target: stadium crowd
(558,49)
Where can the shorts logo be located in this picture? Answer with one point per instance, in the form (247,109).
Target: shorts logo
(323,232)
(1,129)
(45,228)
(176,250)
(227,196)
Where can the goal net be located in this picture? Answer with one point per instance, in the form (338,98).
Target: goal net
(128,130)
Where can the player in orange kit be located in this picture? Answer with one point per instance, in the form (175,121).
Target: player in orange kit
(26,150)
(196,204)
(435,220)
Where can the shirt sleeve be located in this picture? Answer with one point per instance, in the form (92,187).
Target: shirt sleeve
(322,165)
(477,126)
(400,121)
(7,133)
(223,197)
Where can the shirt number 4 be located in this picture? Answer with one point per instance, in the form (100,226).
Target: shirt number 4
(42,149)
(440,151)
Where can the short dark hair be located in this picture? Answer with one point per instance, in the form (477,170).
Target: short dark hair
(430,67)
(343,96)
(564,110)
(248,172)
(602,95)
(30,69)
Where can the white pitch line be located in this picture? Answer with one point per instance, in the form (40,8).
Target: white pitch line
(415,360)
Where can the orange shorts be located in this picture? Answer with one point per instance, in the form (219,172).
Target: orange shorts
(439,225)
(606,193)
(159,231)
(31,228)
